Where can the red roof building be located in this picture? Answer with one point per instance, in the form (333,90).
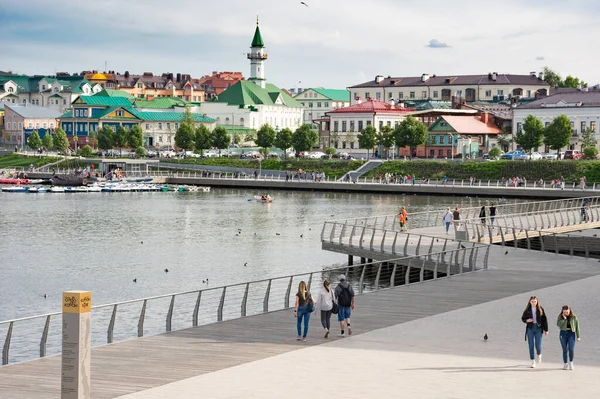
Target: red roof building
(218,82)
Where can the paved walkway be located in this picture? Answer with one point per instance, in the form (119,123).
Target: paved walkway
(440,356)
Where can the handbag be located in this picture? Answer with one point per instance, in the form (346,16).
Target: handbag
(335,308)
(310,305)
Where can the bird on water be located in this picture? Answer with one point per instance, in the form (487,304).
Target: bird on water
(166,270)
(485,337)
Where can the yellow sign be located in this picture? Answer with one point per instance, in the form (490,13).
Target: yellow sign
(77,302)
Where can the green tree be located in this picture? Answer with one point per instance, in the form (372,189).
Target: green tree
(558,133)
(220,138)
(61,144)
(552,78)
(120,138)
(202,139)
(250,137)
(531,134)
(184,138)
(34,141)
(304,139)
(188,117)
(590,152)
(135,137)
(385,138)
(410,132)
(48,142)
(140,152)
(367,139)
(93,139)
(495,152)
(587,138)
(86,151)
(330,151)
(106,138)
(573,82)
(283,140)
(265,137)
(235,138)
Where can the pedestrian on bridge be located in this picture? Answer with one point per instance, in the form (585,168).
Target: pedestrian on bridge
(344,297)
(537,325)
(324,304)
(482,215)
(302,309)
(402,218)
(447,218)
(492,214)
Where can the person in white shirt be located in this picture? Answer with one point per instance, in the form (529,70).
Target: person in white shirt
(325,305)
(447,218)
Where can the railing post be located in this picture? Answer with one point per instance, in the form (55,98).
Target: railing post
(437,264)
(266,300)
(393,277)
(528,242)
(286,302)
(6,347)
(383,241)
(406,244)
(221,304)
(141,320)
(486,257)
(555,244)
(407,275)
(309,282)
(585,246)
(394,244)
(570,245)
(196,310)
(372,239)
(422,271)
(541,241)
(245,300)
(170,313)
(352,235)
(377,276)
(342,233)
(360,244)
(111,325)
(362,277)
(44,339)
(418,245)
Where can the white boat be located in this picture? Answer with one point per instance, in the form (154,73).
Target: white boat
(15,189)
(94,189)
(197,188)
(56,189)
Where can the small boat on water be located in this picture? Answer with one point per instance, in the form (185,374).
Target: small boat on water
(203,189)
(263,198)
(68,180)
(15,189)
(15,181)
(56,189)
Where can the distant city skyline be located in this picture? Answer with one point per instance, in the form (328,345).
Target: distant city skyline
(329,43)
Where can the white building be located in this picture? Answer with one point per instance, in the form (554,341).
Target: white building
(343,124)
(491,87)
(581,107)
(252,103)
(318,101)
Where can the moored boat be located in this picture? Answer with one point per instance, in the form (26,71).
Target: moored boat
(263,198)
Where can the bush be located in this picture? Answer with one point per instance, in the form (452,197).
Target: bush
(86,151)
(495,152)
(590,152)
(140,152)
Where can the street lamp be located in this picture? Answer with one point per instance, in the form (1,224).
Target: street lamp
(451,144)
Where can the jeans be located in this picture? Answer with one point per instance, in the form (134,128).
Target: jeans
(447,226)
(492,218)
(344,312)
(302,313)
(534,334)
(326,319)
(567,341)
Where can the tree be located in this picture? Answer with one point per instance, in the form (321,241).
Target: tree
(531,134)
(265,137)
(106,138)
(184,138)
(283,140)
(86,151)
(334,138)
(551,77)
(135,137)
(366,139)
(304,139)
(34,141)
(93,139)
(120,139)
(48,142)
(202,139)
(60,140)
(220,138)
(385,138)
(504,140)
(250,137)
(495,152)
(235,138)
(590,152)
(330,151)
(587,138)
(558,133)
(410,132)
(188,117)
(573,82)
(140,152)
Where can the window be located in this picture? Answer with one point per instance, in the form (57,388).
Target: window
(528,93)
(355,95)
(10,90)
(593,126)
(424,94)
(303,104)
(24,101)
(335,126)
(326,105)
(390,95)
(120,113)
(305,95)
(351,126)
(147,126)
(343,144)
(519,126)
(500,92)
(441,153)
(367,96)
(310,105)
(43,87)
(21,125)
(389,123)
(488,93)
(572,125)
(459,93)
(360,125)
(352,144)
(64,102)
(51,125)
(343,126)
(37,125)
(168,139)
(160,125)
(435,94)
(377,96)
(43,125)
(76,113)
(583,126)
(319,105)
(139,85)
(168,126)
(368,123)
(30,125)
(380,124)
(177,125)
(412,94)
(431,153)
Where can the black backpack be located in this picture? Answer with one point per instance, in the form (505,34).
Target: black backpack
(345,298)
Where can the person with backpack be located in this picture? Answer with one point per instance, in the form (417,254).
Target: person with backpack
(344,297)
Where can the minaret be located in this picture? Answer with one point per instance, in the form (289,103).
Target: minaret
(257,57)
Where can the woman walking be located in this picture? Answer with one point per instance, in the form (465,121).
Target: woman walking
(569,332)
(301,310)
(537,325)
(325,305)
(482,215)
(447,218)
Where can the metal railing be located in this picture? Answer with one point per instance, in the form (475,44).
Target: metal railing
(40,335)
(426,219)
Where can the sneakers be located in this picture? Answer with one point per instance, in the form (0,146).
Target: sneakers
(571,366)
(539,359)
(326,334)
(533,364)
(341,335)
(566,366)
(349,330)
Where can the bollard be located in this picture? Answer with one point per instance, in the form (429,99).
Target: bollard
(76,345)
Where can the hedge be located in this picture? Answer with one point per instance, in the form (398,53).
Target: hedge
(494,170)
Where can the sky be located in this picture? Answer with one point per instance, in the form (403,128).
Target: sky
(327,43)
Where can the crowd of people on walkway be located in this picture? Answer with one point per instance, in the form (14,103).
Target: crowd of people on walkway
(304,175)
(536,321)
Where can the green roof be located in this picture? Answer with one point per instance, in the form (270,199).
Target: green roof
(248,93)
(66,115)
(160,103)
(257,40)
(167,116)
(105,101)
(334,94)
(114,93)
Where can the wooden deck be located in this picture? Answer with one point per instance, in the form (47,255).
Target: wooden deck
(140,364)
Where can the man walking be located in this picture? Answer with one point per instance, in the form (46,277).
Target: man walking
(492,214)
(344,295)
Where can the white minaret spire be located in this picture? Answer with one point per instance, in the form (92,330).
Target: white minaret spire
(257,57)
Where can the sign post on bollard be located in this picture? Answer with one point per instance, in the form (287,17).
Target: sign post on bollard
(76,345)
